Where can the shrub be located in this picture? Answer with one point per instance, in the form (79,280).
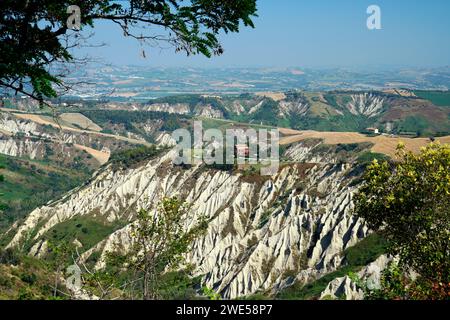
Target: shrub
(9,256)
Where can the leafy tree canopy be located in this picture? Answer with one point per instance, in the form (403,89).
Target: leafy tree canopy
(33,33)
(409,201)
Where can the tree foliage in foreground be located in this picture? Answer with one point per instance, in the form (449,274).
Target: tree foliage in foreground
(409,202)
(160,243)
(395,284)
(154,267)
(34,34)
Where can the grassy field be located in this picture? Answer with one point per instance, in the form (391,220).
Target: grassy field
(87,230)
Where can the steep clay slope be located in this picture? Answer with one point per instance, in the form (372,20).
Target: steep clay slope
(262,231)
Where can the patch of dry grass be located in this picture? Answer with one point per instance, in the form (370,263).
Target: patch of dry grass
(80,120)
(381,144)
(277,96)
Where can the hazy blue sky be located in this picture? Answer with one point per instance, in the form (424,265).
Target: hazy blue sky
(315,33)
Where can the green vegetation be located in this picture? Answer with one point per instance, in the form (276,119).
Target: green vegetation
(267,113)
(87,230)
(366,251)
(325,112)
(220,124)
(355,258)
(133,121)
(318,105)
(344,152)
(25,278)
(131,157)
(193,100)
(154,260)
(179,285)
(223,124)
(413,124)
(28,46)
(29,184)
(421,126)
(396,285)
(265,217)
(340,123)
(369,156)
(438,98)
(153,264)
(161,244)
(409,201)
(406,203)
(320,116)
(190,99)
(128,118)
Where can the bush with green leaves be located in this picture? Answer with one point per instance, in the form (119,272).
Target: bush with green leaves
(160,243)
(9,256)
(408,201)
(130,157)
